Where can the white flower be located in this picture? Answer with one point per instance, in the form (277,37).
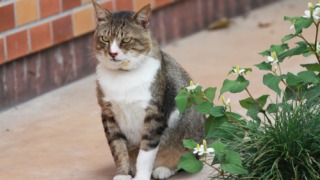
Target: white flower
(200,150)
(312,13)
(273,58)
(293,23)
(238,70)
(192,86)
(292,26)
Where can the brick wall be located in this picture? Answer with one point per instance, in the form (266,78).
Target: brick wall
(28,26)
(45,44)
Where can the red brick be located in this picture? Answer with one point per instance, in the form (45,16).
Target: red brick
(140,4)
(122,5)
(107,5)
(17,44)
(26,11)
(2,57)
(62,29)
(40,37)
(6,17)
(161,3)
(49,7)
(69,4)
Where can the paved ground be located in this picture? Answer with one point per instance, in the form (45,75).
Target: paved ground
(59,135)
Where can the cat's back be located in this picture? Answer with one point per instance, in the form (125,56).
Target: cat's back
(175,73)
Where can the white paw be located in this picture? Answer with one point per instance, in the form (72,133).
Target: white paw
(122,177)
(162,172)
(137,178)
(143,177)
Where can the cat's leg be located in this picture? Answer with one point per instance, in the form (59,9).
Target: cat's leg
(154,127)
(117,143)
(133,154)
(166,161)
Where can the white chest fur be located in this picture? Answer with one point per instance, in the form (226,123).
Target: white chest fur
(129,92)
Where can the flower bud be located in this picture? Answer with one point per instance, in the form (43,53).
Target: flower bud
(204,142)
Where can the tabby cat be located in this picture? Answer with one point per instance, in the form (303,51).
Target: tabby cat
(136,88)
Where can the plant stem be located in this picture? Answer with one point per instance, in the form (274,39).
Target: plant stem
(314,50)
(212,166)
(297,95)
(223,175)
(261,108)
(316,40)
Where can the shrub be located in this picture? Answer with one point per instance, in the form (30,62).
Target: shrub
(272,140)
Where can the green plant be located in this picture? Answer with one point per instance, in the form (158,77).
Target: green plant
(289,149)
(267,136)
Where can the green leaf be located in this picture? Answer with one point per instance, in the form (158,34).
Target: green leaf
(308,77)
(189,163)
(210,93)
(272,81)
(217,111)
(198,98)
(264,66)
(204,108)
(253,113)
(272,108)
(265,53)
(234,169)
(278,48)
(309,53)
(218,147)
(289,95)
(292,79)
(234,116)
(302,77)
(275,48)
(182,101)
(249,102)
(213,123)
(300,49)
(312,67)
(300,23)
(198,89)
(287,38)
(262,100)
(233,157)
(220,127)
(189,143)
(235,86)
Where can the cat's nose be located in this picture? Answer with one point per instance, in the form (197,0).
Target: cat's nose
(113,54)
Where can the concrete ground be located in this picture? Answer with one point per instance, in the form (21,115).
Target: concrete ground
(59,135)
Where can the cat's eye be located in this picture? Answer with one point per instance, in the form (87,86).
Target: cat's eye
(104,39)
(126,40)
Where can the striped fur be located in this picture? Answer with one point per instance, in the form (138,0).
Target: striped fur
(136,87)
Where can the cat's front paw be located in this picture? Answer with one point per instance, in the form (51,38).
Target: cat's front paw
(122,177)
(141,178)
(162,172)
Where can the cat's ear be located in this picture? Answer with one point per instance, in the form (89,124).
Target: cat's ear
(102,15)
(143,16)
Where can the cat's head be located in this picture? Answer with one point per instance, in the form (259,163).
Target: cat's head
(122,39)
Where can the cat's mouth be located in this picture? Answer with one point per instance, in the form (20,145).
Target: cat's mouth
(115,60)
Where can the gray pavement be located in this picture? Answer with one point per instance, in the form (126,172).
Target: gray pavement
(59,135)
